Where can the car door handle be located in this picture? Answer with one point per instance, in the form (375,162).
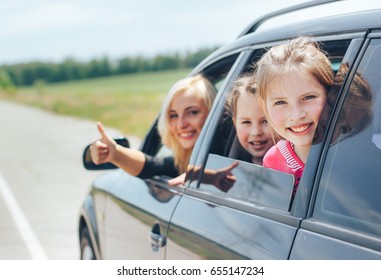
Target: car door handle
(156,239)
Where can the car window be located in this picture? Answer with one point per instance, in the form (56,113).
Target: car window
(350,187)
(216,73)
(253,183)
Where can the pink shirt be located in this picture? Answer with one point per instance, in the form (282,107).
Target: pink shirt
(282,157)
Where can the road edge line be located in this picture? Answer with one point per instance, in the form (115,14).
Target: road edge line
(27,234)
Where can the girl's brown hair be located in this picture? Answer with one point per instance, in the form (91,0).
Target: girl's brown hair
(245,84)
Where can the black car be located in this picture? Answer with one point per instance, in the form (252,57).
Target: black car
(336,212)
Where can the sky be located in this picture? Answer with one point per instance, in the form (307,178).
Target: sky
(53,30)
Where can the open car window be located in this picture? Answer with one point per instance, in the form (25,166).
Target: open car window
(216,73)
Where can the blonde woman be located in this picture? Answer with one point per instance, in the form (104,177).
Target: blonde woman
(183,115)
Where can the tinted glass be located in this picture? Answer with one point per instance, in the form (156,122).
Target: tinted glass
(252,183)
(350,189)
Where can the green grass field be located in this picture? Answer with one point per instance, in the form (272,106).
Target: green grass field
(128,102)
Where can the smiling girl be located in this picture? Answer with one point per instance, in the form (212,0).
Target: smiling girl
(293,80)
(253,131)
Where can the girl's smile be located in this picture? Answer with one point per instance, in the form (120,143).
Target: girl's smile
(294,105)
(301,129)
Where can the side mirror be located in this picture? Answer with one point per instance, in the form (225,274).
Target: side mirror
(90,165)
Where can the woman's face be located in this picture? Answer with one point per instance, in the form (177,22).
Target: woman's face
(187,115)
(294,105)
(251,125)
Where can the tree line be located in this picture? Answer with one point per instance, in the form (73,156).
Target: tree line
(26,74)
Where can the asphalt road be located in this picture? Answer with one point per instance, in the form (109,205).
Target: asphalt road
(42,182)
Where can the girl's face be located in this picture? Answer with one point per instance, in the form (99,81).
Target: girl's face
(294,105)
(251,125)
(187,115)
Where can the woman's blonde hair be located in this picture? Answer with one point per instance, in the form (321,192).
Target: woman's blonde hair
(206,91)
(302,54)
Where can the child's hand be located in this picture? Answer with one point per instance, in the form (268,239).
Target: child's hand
(224,178)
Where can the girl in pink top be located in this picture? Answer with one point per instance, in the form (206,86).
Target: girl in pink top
(292,82)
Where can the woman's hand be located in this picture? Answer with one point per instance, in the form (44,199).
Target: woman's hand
(104,149)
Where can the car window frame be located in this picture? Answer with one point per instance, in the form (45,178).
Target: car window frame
(198,157)
(152,144)
(153,135)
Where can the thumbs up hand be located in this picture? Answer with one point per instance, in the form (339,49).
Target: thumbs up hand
(103,150)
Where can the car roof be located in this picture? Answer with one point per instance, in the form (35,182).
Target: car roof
(317,9)
(348,21)
(253,26)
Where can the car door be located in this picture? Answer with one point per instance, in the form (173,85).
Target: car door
(138,211)
(255,218)
(344,219)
